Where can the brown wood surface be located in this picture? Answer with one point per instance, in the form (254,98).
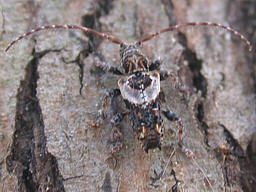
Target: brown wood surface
(46,143)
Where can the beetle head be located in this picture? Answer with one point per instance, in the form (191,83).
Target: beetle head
(132,59)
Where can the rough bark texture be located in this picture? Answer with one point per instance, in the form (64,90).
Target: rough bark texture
(46,143)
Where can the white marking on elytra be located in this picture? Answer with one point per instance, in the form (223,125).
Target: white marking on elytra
(142,96)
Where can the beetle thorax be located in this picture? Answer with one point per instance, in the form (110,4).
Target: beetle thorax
(132,59)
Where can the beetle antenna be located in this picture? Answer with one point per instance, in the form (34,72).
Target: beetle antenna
(197,24)
(49,27)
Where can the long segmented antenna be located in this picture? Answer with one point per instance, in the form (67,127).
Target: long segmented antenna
(84,29)
(198,24)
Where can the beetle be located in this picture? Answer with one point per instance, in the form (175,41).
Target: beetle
(139,86)
(140,91)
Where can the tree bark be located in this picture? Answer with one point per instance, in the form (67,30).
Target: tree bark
(47,143)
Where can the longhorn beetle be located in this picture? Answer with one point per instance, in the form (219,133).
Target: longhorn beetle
(139,85)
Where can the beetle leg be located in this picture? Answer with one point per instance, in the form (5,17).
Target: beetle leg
(173,117)
(165,74)
(116,119)
(110,94)
(155,65)
(187,151)
(107,68)
(177,84)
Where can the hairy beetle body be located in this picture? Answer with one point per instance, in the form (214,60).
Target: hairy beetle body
(140,92)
